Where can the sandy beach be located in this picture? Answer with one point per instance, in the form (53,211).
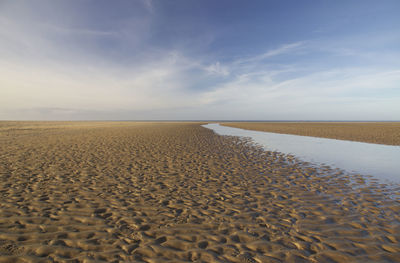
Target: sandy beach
(177,192)
(372,132)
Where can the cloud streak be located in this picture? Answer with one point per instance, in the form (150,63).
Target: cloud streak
(281,50)
(70,66)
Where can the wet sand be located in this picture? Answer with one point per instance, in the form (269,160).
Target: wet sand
(177,192)
(371,132)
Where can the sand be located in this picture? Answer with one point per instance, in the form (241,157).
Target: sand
(170,192)
(371,132)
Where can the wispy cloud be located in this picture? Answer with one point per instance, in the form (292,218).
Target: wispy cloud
(284,49)
(149,5)
(217,69)
(332,92)
(70,65)
(281,50)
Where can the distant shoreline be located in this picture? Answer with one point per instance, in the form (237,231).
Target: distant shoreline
(252,121)
(387,133)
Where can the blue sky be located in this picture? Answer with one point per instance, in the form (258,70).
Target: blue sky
(197,60)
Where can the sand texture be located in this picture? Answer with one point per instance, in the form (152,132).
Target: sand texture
(371,132)
(168,192)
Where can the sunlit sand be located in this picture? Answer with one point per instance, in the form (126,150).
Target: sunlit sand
(178,192)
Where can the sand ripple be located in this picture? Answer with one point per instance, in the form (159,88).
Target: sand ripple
(179,193)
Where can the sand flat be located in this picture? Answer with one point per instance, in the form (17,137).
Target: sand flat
(372,132)
(177,192)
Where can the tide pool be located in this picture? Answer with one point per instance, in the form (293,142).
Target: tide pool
(379,161)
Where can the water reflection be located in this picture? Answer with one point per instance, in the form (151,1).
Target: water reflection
(379,161)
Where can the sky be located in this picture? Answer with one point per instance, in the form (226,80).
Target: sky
(199,60)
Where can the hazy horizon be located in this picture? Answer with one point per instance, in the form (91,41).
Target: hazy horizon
(200,60)
(197,120)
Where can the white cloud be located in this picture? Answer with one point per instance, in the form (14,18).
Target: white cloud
(283,49)
(335,94)
(58,69)
(155,85)
(217,69)
(45,66)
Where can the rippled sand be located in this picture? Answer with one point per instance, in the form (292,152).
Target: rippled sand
(371,132)
(148,192)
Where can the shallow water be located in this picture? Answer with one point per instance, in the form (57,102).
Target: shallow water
(380,161)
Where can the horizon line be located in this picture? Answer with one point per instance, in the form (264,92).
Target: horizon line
(203,120)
